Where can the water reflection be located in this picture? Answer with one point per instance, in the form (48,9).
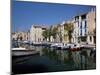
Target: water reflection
(50,60)
(75,59)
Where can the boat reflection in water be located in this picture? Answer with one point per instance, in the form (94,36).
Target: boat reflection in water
(51,60)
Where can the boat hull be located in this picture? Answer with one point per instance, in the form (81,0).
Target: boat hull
(24,52)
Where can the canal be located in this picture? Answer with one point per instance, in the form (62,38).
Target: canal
(51,60)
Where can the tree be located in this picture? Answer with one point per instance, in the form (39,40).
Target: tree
(69,28)
(45,34)
(54,32)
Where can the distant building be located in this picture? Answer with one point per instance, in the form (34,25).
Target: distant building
(36,34)
(62,34)
(14,36)
(58,37)
(59,34)
(22,36)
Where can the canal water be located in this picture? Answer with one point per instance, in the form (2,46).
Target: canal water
(51,60)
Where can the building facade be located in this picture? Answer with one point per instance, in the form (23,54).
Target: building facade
(84,26)
(36,34)
(80,28)
(91,24)
(62,34)
(59,33)
(20,36)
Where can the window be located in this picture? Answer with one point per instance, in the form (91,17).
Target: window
(85,31)
(81,32)
(81,26)
(95,20)
(85,24)
(76,18)
(83,16)
(90,38)
(83,39)
(78,23)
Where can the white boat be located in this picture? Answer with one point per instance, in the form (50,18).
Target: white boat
(59,46)
(20,48)
(21,51)
(54,45)
(62,46)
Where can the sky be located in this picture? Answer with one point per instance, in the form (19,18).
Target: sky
(25,14)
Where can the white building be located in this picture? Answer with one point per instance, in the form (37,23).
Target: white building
(80,28)
(36,33)
(84,24)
